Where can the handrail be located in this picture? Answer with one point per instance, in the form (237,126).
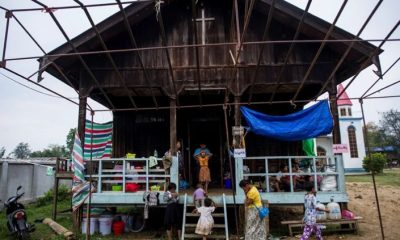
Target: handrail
(330,161)
(145,175)
(184,217)
(225,217)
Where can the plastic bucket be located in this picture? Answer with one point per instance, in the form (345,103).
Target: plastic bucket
(228,183)
(127,220)
(118,227)
(105,224)
(93,225)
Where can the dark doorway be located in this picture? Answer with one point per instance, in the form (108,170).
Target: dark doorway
(205,126)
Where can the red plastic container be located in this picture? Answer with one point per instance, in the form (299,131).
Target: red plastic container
(118,227)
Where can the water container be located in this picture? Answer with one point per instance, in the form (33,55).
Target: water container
(321,215)
(105,224)
(118,227)
(93,225)
(127,221)
(334,210)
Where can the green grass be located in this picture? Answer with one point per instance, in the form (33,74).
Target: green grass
(42,231)
(389,177)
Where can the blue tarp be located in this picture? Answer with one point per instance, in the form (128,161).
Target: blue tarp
(308,123)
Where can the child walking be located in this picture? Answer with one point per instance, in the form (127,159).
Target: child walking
(310,215)
(206,221)
(198,196)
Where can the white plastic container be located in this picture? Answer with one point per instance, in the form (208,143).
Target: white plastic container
(93,225)
(334,210)
(127,221)
(321,215)
(105,224)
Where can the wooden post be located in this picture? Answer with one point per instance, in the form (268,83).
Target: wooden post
(172,142)
(334,109)
(55,190)
(172,126)
(76,216)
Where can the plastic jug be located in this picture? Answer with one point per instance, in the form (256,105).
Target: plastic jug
(334,210)
(321,215)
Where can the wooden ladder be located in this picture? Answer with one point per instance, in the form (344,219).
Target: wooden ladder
(190,221)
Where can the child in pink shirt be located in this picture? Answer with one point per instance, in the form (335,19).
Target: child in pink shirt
(199,195)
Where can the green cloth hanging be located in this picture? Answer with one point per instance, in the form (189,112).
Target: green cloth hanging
(308,148)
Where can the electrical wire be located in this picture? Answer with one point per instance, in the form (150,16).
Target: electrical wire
(26,86)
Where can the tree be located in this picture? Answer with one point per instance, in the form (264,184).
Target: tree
(53,150)
(375,163)
(22,150)
(375,135)
(2,152)
(70,140)
(391,125)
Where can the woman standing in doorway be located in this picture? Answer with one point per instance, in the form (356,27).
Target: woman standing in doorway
(255,227)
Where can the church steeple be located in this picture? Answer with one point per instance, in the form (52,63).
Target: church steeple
(344,103)
(344,98)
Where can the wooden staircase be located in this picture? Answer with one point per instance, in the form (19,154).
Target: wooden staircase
(220,230)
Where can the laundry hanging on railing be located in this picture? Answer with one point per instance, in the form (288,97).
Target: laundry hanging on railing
(308,123)
(102,140)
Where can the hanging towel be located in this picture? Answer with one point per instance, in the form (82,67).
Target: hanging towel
(152,161)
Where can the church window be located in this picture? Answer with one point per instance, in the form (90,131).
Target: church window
(352,141)
(349,111)
(342,112)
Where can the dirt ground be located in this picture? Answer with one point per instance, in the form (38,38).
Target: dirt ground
(363,203)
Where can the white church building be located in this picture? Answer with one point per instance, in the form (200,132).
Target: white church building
(351,135)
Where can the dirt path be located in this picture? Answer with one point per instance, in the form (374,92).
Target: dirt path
(362,202)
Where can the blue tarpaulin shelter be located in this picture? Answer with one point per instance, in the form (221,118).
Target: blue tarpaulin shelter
(308,123)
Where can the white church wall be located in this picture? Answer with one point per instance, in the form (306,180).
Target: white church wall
(352,164)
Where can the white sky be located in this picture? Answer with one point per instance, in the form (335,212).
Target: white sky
(40,120)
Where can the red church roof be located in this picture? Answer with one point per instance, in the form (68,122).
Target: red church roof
(344,98)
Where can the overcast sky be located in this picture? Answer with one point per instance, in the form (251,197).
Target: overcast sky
(40,120)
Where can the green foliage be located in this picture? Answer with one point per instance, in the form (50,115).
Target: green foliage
(53,150)
(70,140)
(375,163)
(390,123)
(22,151)
(63,194)
(2,151)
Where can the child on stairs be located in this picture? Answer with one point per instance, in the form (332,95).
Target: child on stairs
(206,221)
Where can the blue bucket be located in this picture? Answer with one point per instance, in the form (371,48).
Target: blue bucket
(228,183)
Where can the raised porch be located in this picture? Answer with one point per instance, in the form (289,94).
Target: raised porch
(113,176)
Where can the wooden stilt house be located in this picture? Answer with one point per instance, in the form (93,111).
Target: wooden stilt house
(179,70)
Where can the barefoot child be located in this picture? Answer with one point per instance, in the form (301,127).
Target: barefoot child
(204,174)
(198,196)
(310,214)
(206,221)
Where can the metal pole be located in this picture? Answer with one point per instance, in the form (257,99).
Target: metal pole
(8,16)
(372,172)
(231,168)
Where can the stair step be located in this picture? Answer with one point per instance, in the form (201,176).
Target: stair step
(196,236)
(193,225)
(197,215)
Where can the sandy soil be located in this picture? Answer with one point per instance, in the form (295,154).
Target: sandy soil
(363,203)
